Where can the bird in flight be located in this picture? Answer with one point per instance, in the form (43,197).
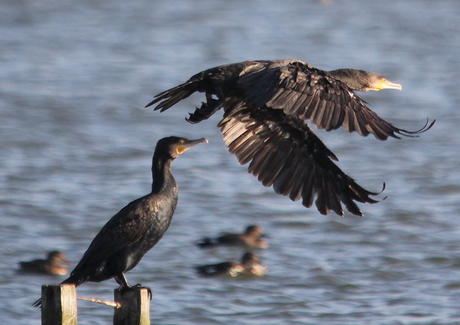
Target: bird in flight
(267,105)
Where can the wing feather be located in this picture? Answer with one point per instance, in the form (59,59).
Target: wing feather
(285,154)
(304,92)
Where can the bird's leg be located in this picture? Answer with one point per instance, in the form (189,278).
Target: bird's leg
(121,280)
(205,110)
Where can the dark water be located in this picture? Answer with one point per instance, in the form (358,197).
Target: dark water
(76,146)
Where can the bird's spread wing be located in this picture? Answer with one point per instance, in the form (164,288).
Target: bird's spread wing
(307,93)
(284,153)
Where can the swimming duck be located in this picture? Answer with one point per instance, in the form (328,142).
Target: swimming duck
(249,266)
(52,265)
(251,238)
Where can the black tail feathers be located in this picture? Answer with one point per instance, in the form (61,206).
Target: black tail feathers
(170,97)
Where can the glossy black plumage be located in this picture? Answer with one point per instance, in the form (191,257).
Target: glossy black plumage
(136,228)
(267,105)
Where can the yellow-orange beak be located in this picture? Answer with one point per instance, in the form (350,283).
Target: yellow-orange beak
(189,144)
(387,84)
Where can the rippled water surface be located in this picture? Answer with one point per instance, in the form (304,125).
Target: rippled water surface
(76,145)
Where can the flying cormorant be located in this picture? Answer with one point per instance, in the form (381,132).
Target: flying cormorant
(267,105)
(137,227)
(251,238)
(52,265)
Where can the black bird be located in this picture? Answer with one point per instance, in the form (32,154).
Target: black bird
(251,238)
(249,266)
(266,108)
(52,265)
(137,227)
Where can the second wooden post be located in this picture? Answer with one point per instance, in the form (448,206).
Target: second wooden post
(135,306)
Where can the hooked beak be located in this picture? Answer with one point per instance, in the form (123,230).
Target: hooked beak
(193,143)
(387,84)
(190,144)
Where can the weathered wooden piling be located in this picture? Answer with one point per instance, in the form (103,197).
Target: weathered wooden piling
(59,304)
(135,306)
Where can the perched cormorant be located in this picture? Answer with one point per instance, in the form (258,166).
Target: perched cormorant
(52,265)
(251,238)
(249,266)
(137,227)
(266,108)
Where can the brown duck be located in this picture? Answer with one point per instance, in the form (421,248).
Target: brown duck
(249,266)
(251,238)
(52,265)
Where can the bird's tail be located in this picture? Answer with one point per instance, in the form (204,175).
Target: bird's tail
(169,97)
(206,242)
(38,303)
(70,280)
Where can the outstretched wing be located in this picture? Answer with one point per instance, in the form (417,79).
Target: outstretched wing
(306,93)
(284,153)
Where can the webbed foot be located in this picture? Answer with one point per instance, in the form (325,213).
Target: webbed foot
(204,111)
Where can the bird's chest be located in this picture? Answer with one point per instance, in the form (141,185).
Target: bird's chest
(160,219)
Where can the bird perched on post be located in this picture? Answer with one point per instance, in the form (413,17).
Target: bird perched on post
(251,238)
(52,265)
(267,105)
(136,228)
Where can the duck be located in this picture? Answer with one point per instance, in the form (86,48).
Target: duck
(52,265)
(250,238)
(249,266)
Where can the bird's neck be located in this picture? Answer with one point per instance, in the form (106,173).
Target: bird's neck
(161,174)
(350,77)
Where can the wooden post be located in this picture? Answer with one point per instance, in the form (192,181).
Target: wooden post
(135,306)
(59,305)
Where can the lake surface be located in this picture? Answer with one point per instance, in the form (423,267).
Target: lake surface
(76,146)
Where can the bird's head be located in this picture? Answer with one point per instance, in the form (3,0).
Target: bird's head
(364,81)
(176,146)
(254,230)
